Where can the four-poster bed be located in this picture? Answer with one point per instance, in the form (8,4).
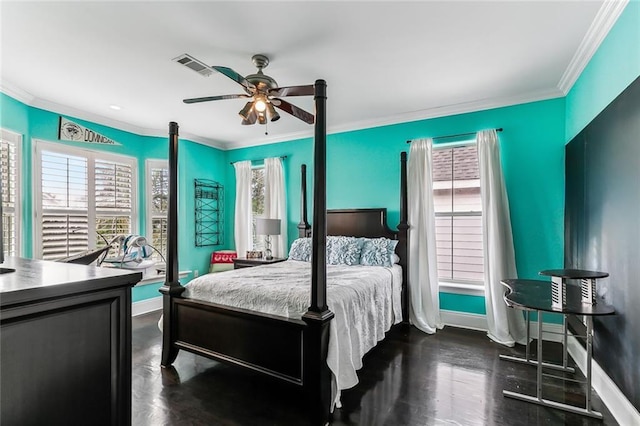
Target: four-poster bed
(293,350)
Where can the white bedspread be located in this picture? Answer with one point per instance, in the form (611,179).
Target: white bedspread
(365,300)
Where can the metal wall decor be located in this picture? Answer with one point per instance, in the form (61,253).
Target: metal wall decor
(209,197)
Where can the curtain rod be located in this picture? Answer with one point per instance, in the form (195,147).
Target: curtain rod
(282,157)
(459,134)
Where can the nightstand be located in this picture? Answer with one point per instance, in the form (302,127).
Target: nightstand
(243,262)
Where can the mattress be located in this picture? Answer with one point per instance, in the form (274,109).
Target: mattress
(366,301)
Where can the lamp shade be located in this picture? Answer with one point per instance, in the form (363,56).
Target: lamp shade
(267,226)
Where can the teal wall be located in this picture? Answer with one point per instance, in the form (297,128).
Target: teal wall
(614,66)
(195,161)
(363,169)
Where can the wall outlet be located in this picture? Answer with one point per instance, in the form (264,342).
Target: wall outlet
(196,273)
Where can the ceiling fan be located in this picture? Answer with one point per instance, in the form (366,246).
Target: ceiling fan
(261,88)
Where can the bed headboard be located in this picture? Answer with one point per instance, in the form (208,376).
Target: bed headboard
(369,223)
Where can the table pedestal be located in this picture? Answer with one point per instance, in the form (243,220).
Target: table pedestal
(536,295)
(538,399)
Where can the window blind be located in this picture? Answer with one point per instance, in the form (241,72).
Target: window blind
(458,207)
(85,199)
(8,167)
(158,207)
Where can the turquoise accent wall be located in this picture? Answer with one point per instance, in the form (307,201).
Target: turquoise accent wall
(298,152)
(14,116)
(614,66)
(363,169)
(195,161)
(462,303)
(144,292)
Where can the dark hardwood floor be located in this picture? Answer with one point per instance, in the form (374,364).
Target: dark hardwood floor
(451,378)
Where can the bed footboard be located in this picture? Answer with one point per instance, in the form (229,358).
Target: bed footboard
(265,343)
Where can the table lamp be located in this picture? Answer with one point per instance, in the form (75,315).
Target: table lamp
(267,227)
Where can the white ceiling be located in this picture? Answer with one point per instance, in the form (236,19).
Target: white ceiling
(384,62)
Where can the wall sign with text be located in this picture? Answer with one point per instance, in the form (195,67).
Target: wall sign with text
(70,131)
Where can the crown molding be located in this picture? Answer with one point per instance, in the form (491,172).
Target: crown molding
(453,109)
(247,143)
(16,92)
(441,111)
(116,124)
(28,99)
(605,19)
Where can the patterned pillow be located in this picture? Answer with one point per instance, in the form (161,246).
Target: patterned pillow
(377,251)
(301,250)
(343,250)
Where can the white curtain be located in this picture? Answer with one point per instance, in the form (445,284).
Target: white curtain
(242,231)
(275,203)
(506,325)
(424,302)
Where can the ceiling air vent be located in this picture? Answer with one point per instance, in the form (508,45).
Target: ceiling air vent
(194,64)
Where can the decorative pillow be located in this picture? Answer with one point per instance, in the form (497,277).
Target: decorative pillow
(301,249)
(343,250)
(395,258)
(222,260)
(377,251)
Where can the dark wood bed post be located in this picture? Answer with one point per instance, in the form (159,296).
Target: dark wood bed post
(303,226)
(171,285)
(403,231)
(316,373)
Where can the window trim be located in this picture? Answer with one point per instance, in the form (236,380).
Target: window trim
(16,139)
(149,164)
(92,155)
(458,286)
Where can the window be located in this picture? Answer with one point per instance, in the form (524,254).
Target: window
(10,144)
(458,207)
(157,206)
(257,203)
(83,199)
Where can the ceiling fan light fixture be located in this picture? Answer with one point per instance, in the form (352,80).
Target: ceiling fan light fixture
(251,118)
(262,119)
(246,111)
(260,104)
(273,114)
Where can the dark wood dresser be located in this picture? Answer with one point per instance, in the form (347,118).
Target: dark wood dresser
(65,344)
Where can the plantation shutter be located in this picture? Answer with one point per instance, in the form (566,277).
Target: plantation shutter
(159,180)
(65,218)
(8,163)
(86,199)
(113,195)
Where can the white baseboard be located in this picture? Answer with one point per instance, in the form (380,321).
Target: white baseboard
(623,411)
(146,306)
(551,332)
(464,320)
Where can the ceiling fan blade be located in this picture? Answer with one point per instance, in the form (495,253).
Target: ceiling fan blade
(213,98)
(248,87)
(295,111)
(292,91)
